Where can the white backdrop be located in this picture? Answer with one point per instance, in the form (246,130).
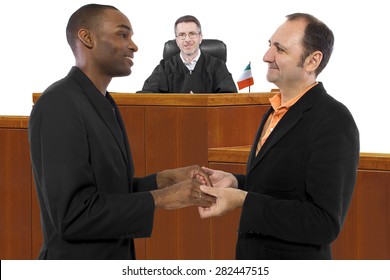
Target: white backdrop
(34,52)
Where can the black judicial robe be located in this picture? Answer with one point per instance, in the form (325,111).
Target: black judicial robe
(210,75)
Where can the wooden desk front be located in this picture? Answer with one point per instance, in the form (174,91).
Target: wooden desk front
(169,131)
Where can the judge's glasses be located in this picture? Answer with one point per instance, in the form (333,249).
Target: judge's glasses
(191,35)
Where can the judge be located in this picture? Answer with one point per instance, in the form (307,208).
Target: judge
(190,71)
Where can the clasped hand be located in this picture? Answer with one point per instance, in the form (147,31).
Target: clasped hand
(224,187)
(214,191)
(180,187)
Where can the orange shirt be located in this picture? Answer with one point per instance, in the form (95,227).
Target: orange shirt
(279,111)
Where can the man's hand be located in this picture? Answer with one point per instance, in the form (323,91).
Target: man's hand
(183,194)
(227,200)
(170,177)
(219,179)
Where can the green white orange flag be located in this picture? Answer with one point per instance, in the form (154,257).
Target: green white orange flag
(246,78)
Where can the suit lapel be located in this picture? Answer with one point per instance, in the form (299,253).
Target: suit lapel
(103,107)
(289,120)
(252,154)
(286,124)
(125,140)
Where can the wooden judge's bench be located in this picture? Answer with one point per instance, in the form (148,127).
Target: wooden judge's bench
(174,130)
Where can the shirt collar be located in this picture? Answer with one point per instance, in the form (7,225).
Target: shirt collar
(191,65)
(276,100)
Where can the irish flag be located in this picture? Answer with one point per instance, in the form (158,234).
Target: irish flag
(246,78)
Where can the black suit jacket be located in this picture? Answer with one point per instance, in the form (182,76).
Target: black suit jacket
(91,204)
(301,182)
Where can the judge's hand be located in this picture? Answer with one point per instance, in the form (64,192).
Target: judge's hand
(219,179)
(227,200)
(183,194)
(170,177)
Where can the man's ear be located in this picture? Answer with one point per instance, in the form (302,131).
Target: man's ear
(86,38)
(313,61)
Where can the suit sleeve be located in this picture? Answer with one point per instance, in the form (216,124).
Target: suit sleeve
(241,180)
(147,183)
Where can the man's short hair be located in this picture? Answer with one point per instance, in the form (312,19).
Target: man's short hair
(317,37)
(87,17)
(188,18)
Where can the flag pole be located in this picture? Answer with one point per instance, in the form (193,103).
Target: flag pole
(250,86)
